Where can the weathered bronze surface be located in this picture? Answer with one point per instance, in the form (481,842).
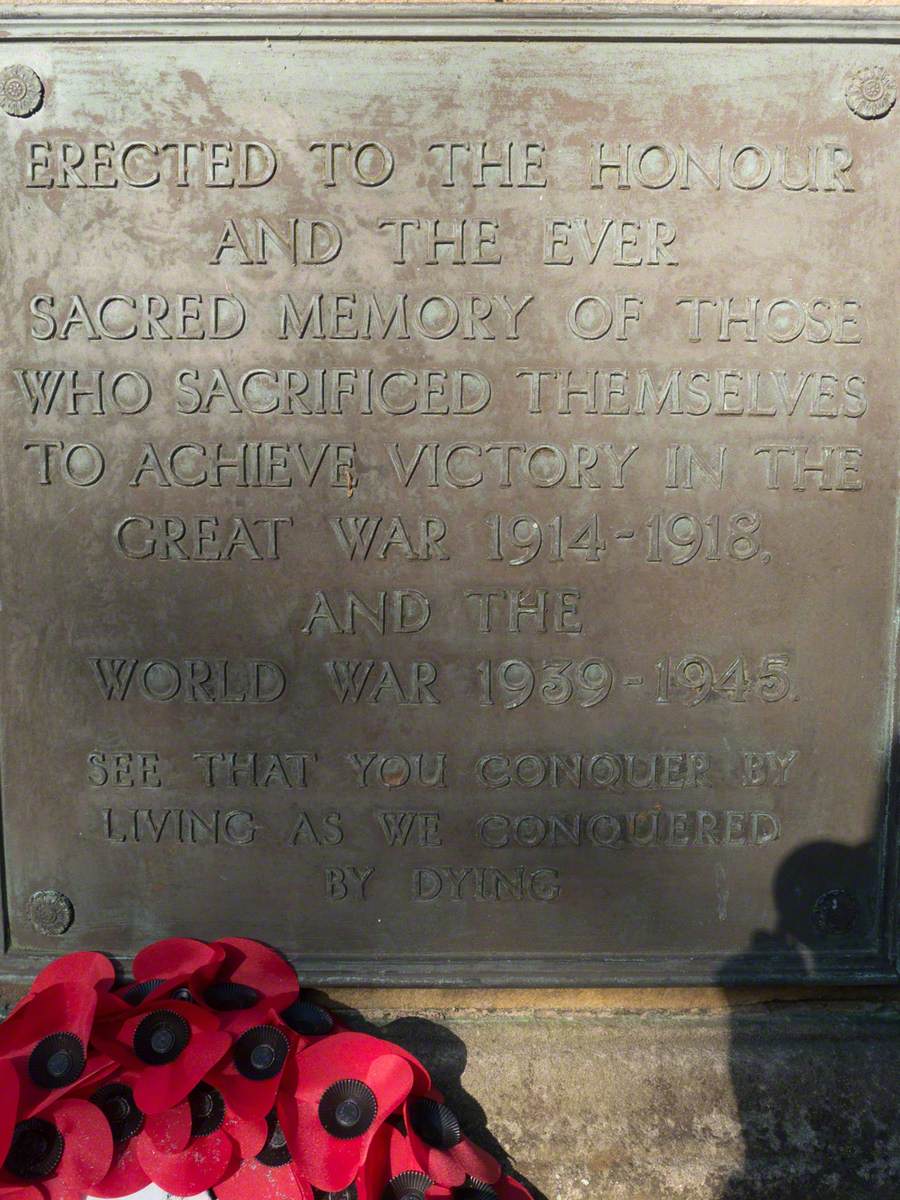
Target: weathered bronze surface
(448,489)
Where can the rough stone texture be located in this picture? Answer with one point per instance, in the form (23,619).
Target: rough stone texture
(798,1102)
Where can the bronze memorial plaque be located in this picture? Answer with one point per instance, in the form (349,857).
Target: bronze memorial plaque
(448,488)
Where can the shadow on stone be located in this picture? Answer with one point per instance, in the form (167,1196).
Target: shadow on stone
(812,1083)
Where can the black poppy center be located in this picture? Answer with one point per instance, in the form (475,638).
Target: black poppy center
(160,1037)
(275,1152)
(309,1019)
(230,997)
(409,1185)
(835,912)
(348,1108)
(59,1064)
(349,1193)
(262,1057)
(474,1189)
(207,1110)
(140,991)
(57,1060)
(36,1149)
(260,1052)
(116,1102)
(348,1113)
(436,1124)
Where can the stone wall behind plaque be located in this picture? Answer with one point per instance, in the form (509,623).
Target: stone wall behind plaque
(663,1094)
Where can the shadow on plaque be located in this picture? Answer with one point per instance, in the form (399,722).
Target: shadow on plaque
(815,1089)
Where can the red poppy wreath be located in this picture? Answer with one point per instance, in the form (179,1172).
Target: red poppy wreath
(210,1071)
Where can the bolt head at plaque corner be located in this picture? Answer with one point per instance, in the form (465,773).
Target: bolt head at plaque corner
(836,913)
(21,90)
(871,92)
(51,912)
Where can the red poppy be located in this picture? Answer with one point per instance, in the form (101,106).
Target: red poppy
(405,1178)
(247,1098)
(250,1073)
(82,968)
(255,1181)
(47,1040)
(86,968)
(59,1155)
(269,1174)
(374,1174)
(195,1145)
(440,1147)
(375,1171)
(178,967)
(125,1176)
(475,1189)
(510,1189)
(310,1023)
(251,979)
(9,1091)
(168,1046)
(346,1088)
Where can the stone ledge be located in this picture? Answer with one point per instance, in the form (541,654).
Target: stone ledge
(771,1100)
(797,1103)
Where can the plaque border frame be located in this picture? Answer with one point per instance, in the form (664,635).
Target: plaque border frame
(449,21)
(502,21)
